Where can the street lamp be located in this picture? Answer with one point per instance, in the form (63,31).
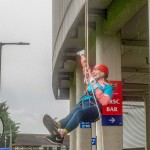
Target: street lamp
(3,44)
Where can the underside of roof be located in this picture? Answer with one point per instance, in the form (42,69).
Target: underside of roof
(129,17)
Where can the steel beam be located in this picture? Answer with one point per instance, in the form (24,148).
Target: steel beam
(141,43)
(119,12)
(135,70)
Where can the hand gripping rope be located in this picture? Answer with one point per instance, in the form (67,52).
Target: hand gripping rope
(87,64)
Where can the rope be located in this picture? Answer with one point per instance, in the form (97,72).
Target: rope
(86,37)
(86,33)
(87,48)
(87,58)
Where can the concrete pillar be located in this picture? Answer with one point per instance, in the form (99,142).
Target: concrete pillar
(108,51)
(72,96)
(92,61)
(112,47)
(94,134)
(147,113)
(99,135)
(83,135)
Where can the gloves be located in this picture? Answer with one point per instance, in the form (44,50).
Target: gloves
(80,53)
(93,83)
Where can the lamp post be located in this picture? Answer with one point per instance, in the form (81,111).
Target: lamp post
(10,142)
(3,44)
(10,137)
(1,128)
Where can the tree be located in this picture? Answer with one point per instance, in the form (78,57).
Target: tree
(8,123)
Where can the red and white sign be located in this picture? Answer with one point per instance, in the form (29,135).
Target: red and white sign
(115,106)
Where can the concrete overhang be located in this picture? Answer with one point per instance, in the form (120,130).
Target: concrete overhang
(74,39)
(120,12)
(116,14)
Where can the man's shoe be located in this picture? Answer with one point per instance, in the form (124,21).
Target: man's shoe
(55,139)
(50,124)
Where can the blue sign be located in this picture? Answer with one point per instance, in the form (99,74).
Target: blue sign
(93,141)
(85,124)
(112,120)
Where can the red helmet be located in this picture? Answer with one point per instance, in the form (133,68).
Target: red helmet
(102,68)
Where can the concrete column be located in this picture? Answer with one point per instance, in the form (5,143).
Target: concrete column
(92,61)
(108,51)
(94,134)
(83,135)
(112,47)
(99,135)
(72,96)
(147,114)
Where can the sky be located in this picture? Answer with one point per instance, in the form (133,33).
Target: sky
(26,75)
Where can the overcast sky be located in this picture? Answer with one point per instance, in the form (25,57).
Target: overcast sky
(26,70)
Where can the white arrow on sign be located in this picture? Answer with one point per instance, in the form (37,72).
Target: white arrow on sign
(112,120)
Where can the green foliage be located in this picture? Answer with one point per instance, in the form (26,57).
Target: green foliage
(8,124)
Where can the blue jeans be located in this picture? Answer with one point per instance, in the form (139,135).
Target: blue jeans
(86,111)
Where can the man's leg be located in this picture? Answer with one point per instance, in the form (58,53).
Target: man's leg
(87,114)
(65,120)
(53,126)
(56,138)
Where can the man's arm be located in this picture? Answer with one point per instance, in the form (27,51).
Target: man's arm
(86,70)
